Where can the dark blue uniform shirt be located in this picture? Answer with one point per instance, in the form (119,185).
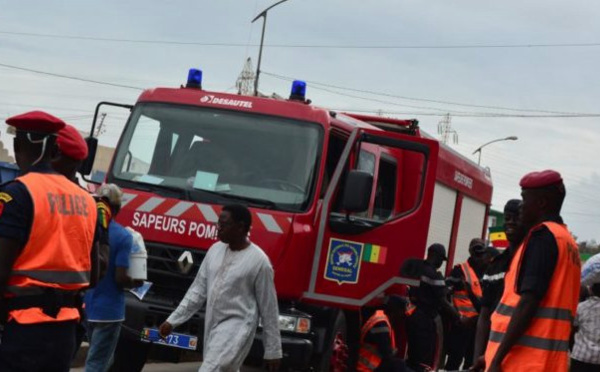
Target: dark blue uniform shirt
(539,261)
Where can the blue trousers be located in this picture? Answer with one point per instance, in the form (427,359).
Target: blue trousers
(43,347)
(103,338)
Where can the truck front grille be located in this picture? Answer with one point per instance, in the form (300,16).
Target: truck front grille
(169,282)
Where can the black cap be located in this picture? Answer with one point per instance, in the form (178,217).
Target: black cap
(438,249)
(477,246)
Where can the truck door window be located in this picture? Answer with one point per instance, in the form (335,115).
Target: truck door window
(411,180)
(366,162)
(385,192)
(334,151)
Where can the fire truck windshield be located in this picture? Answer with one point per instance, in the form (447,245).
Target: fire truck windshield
(220,156)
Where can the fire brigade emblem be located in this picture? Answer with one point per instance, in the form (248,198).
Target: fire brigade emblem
(206,98)
(343,261)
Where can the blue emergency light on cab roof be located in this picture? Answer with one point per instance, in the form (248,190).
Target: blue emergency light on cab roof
(298,90)
(194,78)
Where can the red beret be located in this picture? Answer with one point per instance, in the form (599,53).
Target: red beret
(535,180)
(71,143)
(36,121)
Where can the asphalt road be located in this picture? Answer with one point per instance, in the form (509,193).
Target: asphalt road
(172,367)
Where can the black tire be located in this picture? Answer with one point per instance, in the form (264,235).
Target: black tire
(339,327)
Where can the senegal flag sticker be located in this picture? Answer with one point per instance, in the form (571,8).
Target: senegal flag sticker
(374,253)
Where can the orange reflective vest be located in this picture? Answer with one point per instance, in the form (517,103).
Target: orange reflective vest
(545,344)
(369,357)
(461,298)
(410,309)
(57,253)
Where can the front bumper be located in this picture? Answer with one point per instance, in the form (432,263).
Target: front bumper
(297,349)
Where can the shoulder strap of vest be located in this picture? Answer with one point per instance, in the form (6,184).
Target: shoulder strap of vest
(378,317)
(467,273)
(552,226)
(556,227)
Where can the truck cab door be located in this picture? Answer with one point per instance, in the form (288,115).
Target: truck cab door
(370,223)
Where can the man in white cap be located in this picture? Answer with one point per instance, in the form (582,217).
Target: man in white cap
(105,304)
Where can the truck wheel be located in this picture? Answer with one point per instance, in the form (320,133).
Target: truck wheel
(335,358)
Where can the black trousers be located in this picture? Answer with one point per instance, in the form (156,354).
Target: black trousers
(460,345)
(45,347)
(577,366)
(421,333)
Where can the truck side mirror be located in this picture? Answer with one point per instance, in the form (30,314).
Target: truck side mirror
(86,166)
(357,191)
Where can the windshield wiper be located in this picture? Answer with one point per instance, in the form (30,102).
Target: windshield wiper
(254,201)
(186,194)
(150,187)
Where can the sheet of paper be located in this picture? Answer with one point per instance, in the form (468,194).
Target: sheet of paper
(153,180)
(140,292)
(223,187)
(206,181)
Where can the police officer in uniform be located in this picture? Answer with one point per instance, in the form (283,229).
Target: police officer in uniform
(72,151)
(47,228)
(531,326)
(429,299)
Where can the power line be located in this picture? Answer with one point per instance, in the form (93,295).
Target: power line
(288,78)
(75,117)
(444,112)
(455,113)
(556,114)
(458,113)
(70,77)
(44,107)
(583,214)
(305,46)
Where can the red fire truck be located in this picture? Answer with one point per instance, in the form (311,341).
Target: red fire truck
(339,202)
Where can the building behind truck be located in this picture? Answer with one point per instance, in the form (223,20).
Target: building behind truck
(339,202)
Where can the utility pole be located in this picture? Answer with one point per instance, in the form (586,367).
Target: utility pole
(245,81)
(100,129)
(262,39)
(445,129)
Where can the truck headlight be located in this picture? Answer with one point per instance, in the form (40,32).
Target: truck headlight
(290,323)
(287,323)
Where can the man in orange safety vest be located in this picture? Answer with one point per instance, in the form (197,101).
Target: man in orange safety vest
(531,326)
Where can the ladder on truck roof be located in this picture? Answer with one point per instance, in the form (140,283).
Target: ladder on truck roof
(403,126)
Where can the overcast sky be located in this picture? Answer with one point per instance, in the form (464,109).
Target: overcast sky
(557,79)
